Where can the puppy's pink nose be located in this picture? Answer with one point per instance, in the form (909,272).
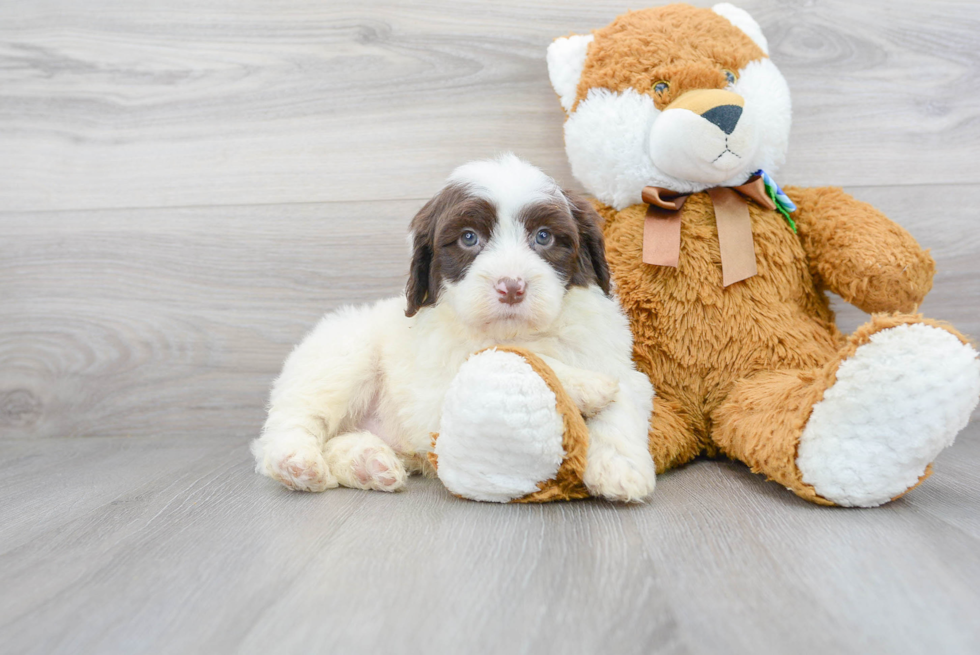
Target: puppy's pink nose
(509,290)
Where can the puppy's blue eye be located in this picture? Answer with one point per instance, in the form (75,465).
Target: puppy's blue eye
(544,238)
(730,76)
(469,238)
(661,87)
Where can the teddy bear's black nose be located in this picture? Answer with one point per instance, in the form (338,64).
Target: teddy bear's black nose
(724,116)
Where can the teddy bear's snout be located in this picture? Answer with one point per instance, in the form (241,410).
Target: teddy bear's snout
(721,108)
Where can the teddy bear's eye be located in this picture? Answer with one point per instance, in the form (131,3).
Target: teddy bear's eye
(661,87)
(730,76)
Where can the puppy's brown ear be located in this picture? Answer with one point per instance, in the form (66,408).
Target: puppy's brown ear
(592,266)
(417,291)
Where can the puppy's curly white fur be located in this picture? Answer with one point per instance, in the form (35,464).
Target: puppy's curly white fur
(502,255)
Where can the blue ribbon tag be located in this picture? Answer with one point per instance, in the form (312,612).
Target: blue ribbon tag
(784,205)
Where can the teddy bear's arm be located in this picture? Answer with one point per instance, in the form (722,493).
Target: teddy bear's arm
(859,253)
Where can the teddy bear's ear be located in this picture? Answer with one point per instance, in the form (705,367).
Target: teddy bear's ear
(741,19)
(566,58)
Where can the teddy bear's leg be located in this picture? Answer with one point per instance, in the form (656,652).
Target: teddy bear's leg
(864,428)
(509,432)
(672,438)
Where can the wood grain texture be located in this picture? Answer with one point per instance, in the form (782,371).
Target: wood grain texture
(185,187)
(123,103)
(132,323)
(174,545)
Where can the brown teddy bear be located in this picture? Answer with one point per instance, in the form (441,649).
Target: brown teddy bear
(676,121)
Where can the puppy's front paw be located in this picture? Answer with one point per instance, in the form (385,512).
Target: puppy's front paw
(617,477)
(363,461)
(378,469)
(591,393)
(300,468)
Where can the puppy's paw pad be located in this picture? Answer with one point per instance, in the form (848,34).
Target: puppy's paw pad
(619,478)
(378,469)
(302,471)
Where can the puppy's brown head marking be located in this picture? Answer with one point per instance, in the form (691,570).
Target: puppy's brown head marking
(437,252)
(461,222)
(576,249)
(592,267)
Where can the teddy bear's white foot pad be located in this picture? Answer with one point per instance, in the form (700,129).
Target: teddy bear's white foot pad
(897,402)
(501,432)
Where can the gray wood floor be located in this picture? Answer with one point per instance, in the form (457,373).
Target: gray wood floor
(186,186)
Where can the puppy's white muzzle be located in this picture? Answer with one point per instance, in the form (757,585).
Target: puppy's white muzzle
(508,288)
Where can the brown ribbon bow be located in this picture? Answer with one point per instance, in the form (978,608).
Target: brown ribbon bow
(662,227)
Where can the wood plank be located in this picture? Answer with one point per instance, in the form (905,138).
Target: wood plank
(129,104)
(132,323)
(44,488)
(207,556)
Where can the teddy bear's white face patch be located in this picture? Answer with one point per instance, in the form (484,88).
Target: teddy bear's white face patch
(606,140)
(617,143)
(768,106)
(706,136)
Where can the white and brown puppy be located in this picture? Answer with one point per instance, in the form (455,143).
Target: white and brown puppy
(500,256)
